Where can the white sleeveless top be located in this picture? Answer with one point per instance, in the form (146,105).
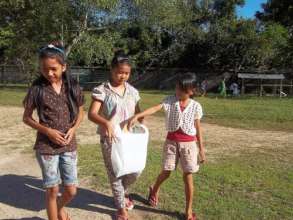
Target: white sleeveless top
(176,119)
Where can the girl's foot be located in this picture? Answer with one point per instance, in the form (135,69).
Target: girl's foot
(192,217)
(153,199)
(122,214)
(63,216)
(67,216)
(121,217)
(129,204)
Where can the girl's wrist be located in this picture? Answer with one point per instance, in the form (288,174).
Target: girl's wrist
(47,130)
(136,117)
(141,119)
(106,123)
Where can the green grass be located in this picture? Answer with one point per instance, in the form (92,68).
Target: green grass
(12,97)
(250,186)
(250,113)
(247,112)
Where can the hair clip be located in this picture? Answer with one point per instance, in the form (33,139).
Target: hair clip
(119,59)
(51,46)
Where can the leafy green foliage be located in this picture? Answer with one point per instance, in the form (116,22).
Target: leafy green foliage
(280,12)
(163,33)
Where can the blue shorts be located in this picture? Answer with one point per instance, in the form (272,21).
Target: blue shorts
(57,169)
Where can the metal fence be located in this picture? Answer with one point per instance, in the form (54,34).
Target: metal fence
(86,76)
(156,78)
(12,75)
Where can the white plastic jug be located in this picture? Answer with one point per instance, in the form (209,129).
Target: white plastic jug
(129,150)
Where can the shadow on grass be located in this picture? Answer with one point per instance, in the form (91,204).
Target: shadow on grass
(146,208)
(25,192)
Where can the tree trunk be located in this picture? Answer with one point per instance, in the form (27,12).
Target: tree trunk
(81,32)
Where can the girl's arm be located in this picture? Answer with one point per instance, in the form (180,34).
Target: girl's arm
(70,133)
(200,141)
(93,115)
(54,135)
(146,112)
(138,110)
(79,117)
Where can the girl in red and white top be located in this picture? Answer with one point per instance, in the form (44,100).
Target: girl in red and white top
(184,138)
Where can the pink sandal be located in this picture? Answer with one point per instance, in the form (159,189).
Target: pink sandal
(129,204)
(152,199)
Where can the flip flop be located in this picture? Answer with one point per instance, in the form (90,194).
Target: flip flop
(152,199)
(129,204)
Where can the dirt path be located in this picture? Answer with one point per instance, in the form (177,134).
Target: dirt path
(20,183)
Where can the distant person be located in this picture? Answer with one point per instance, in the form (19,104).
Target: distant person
(222,88)
(184,139)
(59,102)
(234,87)
(203,86)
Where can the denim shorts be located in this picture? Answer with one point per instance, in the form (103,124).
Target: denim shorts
(57,169)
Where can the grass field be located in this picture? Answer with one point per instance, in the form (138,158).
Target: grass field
(250,184)
(246,112)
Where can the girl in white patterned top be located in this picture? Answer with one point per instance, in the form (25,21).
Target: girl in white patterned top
(183,116)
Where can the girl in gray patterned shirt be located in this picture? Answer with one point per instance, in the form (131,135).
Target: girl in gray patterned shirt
(114,102)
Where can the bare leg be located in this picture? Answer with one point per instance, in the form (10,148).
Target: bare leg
(67,196)
(51,202)
(188,180)
(160,179)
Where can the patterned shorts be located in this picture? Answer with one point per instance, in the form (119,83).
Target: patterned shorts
(185,152)
(57,169)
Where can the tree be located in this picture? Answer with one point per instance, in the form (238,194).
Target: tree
(157,33)
(28,24)
(280,12)
(34,23)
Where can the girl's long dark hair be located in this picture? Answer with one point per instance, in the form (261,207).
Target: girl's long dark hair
(69,82)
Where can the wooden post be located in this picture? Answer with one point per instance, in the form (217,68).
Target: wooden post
(281,87)
(275,88)
(78,76)
(3,71)
(242,86)
(260,90)
(2,74)
(291,87)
